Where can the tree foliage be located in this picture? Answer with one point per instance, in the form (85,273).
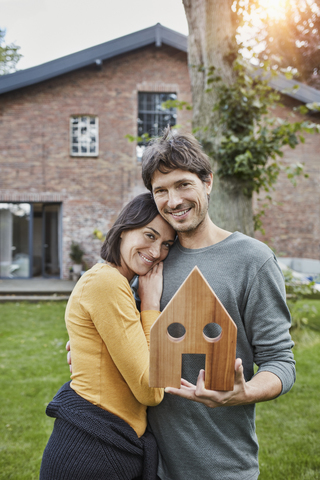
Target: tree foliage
(288,40)
(9,55)
(297,291)
(252,138)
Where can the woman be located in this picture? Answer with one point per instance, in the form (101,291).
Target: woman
(99,431)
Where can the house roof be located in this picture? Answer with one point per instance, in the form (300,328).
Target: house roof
(156,35)
(304,93)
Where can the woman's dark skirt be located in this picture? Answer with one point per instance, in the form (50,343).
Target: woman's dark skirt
(89,443)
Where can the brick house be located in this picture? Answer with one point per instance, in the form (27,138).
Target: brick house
(67,168)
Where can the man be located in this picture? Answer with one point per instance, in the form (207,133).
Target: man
(218,443)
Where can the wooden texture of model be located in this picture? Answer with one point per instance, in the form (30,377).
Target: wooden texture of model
(194,306)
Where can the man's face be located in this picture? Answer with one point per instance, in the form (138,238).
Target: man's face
(181,198)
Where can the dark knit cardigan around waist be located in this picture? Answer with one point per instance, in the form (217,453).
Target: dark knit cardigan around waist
(120,443)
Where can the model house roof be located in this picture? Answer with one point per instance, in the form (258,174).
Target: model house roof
(156,35)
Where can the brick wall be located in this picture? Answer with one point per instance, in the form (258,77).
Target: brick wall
(292,222)
(34,140)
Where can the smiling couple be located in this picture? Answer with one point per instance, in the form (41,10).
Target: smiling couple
(101,416)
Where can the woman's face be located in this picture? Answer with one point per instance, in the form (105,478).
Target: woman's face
(142,248)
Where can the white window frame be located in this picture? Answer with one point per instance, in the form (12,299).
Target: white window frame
(82,132)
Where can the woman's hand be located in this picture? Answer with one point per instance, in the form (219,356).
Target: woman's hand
(69,355)
(150,288)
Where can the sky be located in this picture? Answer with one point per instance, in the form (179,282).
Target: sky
(50,29)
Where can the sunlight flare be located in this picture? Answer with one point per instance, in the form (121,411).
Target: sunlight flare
(273,8)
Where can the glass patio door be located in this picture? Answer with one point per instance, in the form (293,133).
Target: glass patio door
(51,238)
(15,245)
(30,240)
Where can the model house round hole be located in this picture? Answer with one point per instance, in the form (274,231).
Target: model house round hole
(212,332)
(176,332)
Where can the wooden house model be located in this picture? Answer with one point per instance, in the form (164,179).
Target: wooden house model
(193,311)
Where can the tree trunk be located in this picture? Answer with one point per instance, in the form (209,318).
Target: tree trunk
(211,40)
(229,207)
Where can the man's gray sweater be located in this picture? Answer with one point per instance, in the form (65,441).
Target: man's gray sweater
(197,442)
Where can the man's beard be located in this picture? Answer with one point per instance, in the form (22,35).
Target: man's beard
(189,227)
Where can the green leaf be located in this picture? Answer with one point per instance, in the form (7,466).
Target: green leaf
(302,109)
(314,106)
(256,103)
(131,138)
(288,75)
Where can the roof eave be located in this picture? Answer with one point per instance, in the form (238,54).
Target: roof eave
(304,93)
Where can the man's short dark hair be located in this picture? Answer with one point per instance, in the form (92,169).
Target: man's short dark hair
(136,214)
(172,151)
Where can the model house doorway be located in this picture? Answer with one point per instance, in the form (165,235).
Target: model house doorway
(30,240)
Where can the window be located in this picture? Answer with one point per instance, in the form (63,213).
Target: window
(153,117)
(84,136)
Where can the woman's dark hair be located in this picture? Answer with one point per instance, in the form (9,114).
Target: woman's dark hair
(136,214)
(172,151)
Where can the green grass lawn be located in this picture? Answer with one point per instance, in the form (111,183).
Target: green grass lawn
(33,367)
(288,428)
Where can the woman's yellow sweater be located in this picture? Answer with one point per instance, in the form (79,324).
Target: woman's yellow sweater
(110,346)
